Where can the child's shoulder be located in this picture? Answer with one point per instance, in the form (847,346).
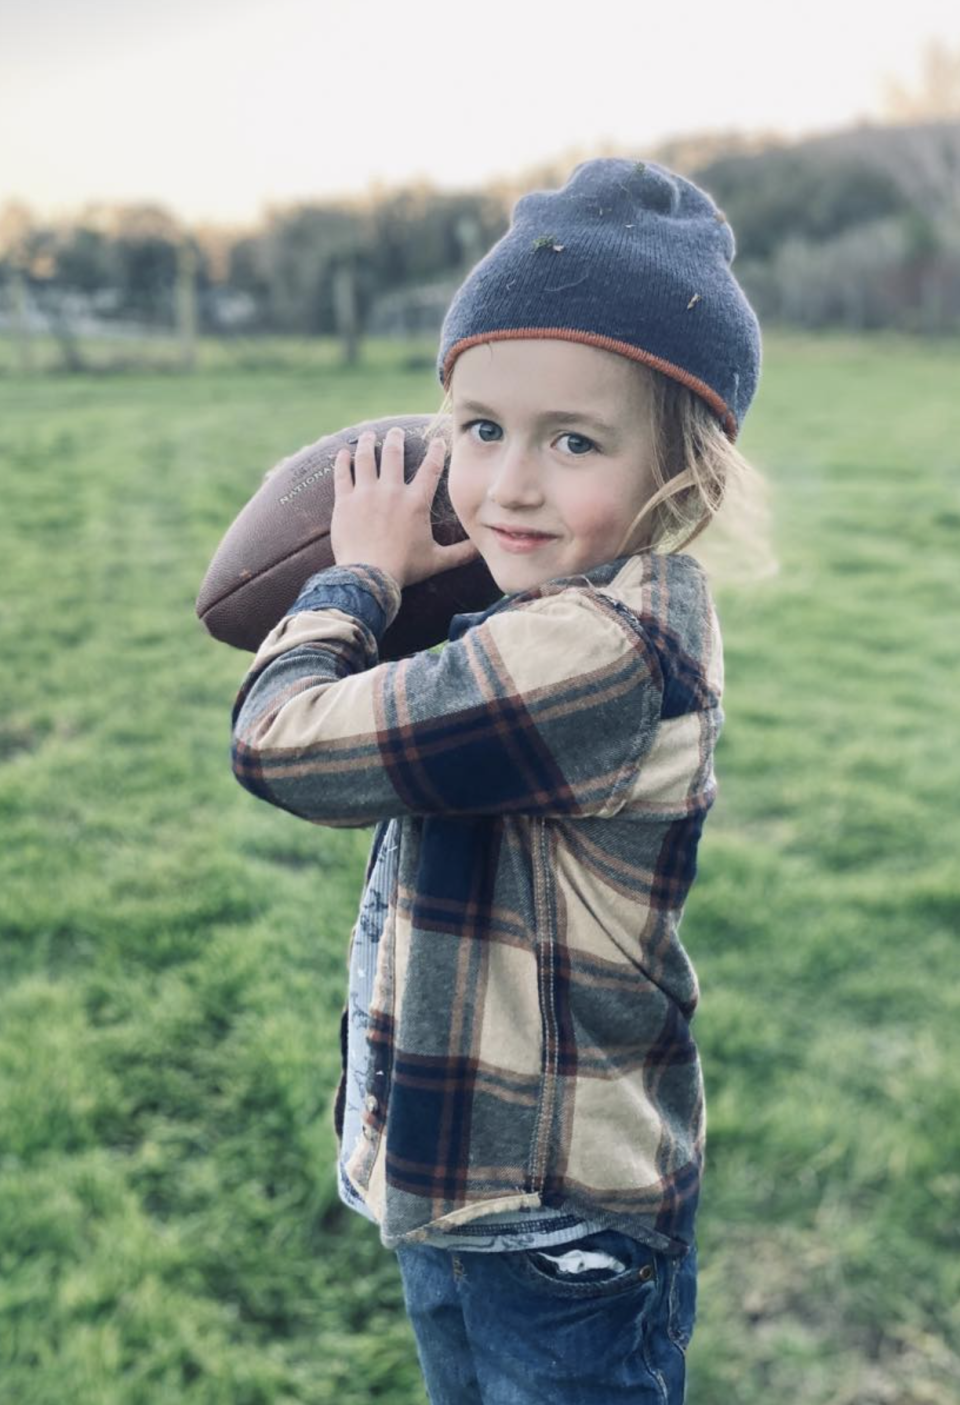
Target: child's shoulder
(667,599)
(658,580)
(660,600)
(659,590)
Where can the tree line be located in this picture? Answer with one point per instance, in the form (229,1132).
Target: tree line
(860,229)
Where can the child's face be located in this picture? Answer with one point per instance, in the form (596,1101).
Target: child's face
(516,464)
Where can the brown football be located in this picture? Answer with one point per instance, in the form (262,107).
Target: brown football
(282,537)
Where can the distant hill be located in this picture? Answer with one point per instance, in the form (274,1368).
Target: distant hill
(923,160)
(859,227)
(921,163)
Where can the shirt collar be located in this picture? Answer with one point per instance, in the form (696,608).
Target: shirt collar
(597,575)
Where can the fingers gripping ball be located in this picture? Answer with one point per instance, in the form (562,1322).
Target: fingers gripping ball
(282,537)
(383,519)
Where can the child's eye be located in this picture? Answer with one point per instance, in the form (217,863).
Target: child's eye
(464,428)
(580,439)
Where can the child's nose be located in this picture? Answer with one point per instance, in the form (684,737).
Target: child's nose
(516,480)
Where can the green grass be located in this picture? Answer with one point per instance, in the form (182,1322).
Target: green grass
(172,953)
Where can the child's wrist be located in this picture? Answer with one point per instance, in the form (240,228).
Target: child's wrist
(392,570)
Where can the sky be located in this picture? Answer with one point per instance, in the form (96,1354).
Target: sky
(218,109)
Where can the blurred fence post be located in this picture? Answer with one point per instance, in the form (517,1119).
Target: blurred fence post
(21,320)
(470,239)
(187,304)
(345,311)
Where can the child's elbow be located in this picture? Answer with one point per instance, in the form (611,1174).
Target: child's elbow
(285,791)
(247,766)
(276,769)
(250,726)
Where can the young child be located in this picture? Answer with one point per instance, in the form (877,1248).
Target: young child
(522,1104)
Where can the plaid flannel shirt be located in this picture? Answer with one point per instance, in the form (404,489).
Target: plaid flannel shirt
(549,771)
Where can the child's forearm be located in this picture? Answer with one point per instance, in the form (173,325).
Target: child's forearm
(546,708)
(292,658)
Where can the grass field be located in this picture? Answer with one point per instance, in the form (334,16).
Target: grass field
(172,952)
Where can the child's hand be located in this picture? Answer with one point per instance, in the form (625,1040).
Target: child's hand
(383,521)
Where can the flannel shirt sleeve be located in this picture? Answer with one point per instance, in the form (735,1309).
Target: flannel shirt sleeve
(546,708)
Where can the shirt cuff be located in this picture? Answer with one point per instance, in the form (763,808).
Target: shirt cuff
(367,592)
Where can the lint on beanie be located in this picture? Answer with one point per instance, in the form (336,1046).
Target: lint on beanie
(629,257)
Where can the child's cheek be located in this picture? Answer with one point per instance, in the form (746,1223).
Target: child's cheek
(595,523)
(461,496)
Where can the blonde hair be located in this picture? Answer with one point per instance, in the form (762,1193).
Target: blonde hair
(702,480)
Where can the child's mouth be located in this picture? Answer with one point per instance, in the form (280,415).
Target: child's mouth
(520,541)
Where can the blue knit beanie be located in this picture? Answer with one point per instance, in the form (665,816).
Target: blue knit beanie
(629,257)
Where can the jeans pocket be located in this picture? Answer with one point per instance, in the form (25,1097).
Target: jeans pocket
(598,1265)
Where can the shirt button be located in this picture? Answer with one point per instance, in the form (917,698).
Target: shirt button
(371,1103)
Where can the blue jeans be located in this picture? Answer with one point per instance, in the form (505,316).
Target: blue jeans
(521,1328)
